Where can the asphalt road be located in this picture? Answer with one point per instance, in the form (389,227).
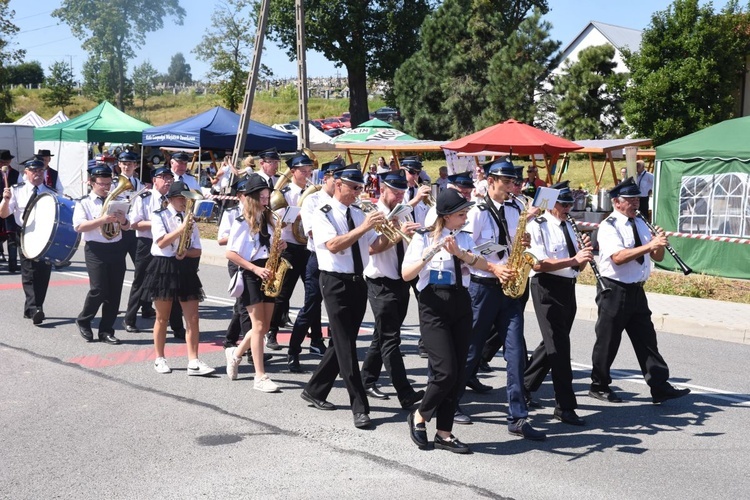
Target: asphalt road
(96,421)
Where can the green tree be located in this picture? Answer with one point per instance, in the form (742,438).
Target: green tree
(367,38)
(8,55)
(112,30)
(518,71)
(144,80)
(179,71)
(688,71)
(60,86)
(590,95)
(26,73)
(100,81)
(227,46)
(442,88)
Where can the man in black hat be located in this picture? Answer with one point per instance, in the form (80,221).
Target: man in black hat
(552,285)
(626,248)
(51,177)
(388,294)
(179,164)
(269,165)
(295,252)
(34,274)
(344,237)
(127,162)
(417,194)
(104,254)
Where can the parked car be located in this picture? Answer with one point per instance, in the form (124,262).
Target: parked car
(345,121)
(330,123)
(333,132)
(387,114)
(318,124)
(285,127)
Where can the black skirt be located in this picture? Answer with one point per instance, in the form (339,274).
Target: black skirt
(252,294)
(168,278)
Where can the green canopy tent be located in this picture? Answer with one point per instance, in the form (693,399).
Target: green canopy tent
(373,130)
(702,190)
(69,141)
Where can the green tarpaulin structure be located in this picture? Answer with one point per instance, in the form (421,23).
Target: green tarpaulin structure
(373,130)
(703,188)
(104,123)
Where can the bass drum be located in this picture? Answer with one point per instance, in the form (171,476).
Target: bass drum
(47,233)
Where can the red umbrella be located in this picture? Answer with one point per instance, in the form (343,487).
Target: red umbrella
(513,136)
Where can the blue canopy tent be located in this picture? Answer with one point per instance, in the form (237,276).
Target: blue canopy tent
(216,129)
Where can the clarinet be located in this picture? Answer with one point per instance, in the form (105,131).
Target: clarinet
(685,268)
(594,266)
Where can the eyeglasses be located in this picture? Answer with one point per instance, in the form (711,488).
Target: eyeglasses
(105,184)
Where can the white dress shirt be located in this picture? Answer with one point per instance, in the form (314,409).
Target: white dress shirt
(245,243)
(142,209)
(20,194)
(384,264)
(292,194)
(165,221)
(309,206)
(189,180)
(441,261)
(548,242)
(482,227)
(325,229)
(227,219)
(419,212)
(615,234)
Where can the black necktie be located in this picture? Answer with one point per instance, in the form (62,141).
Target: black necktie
(399,256)
(569,243)
(270,182)
(636,238)
(164,201)
(356,255)
(457,270)
(34,195)
(101,198)
(179,216)
(411,193)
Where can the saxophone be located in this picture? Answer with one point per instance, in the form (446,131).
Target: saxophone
(187,234)
(521,261)
(277,264)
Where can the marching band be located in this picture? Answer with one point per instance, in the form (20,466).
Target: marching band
(460,255)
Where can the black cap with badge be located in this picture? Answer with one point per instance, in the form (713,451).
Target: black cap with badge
(564,195)
(626,189)
(450,201)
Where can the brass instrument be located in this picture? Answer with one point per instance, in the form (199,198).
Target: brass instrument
(110,230)
(298,230)
(277,264)
(277,197)
(519,260)
(430,200)
(387,228)
(684,267)
(187,234)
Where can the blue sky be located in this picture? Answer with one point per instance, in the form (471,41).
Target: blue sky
(47,41)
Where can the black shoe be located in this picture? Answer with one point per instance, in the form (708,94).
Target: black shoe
(523,428)
(418,432)
(362,421)
(477,386)
(412,399)
(668,392)
(109,338)
(318,347)
(461,418)
(85,331)
(179,334)
(227,344)
(374,392)
(132,329)
(293,363)
(38,316)
(148,314)
(271,341)
(423,353)
(530,402)
(451,444)
(607,395)
(485,367)
(249,354)
(568,417)
(320,404)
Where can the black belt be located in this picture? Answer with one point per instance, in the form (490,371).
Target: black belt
(486,281)
(344,276)
(554,277)
(443,287)
(385,279)
(638,284)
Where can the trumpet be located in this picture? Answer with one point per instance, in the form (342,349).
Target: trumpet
(430,200)
(684,267)
(387,228)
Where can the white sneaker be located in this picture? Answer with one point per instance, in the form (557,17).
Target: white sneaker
(198,367)
(233,362)
(160,365)
(265,384)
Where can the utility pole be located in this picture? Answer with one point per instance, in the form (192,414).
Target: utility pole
(304,130)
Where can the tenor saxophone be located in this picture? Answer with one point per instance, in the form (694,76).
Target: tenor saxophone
(520,260)
(277,264)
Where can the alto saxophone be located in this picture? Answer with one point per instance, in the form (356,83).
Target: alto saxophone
(277,264)
(187,234)
(521,261)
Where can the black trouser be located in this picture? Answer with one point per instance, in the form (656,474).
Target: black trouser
(12,228)
(142,259)
(389,300)
(495,342)
(105,263)
(240,322)
(555,306)
(130,244)
(35,280)
(297,256)
(345,298)
(445,319)
(309,317)
(625,307)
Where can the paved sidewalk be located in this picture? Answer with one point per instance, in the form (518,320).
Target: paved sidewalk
(711,319)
